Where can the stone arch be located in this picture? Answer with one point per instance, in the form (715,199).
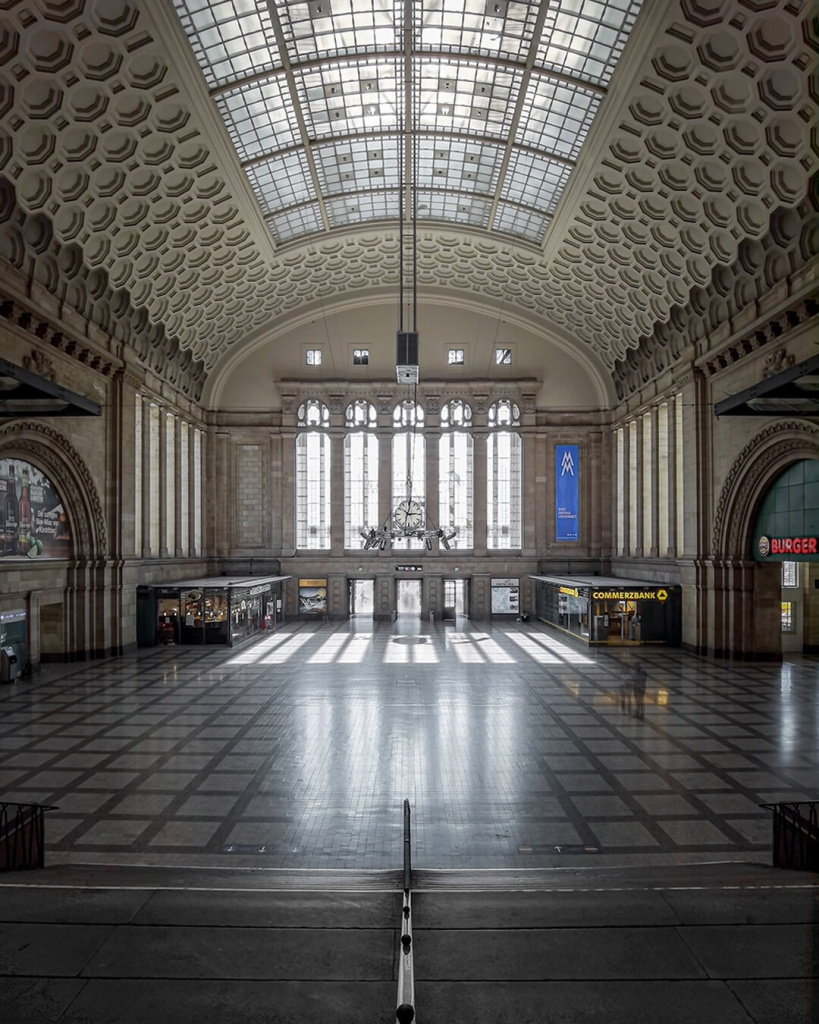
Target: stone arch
(65,467)
(769,452)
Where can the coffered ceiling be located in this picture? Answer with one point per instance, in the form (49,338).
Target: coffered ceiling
(222,163)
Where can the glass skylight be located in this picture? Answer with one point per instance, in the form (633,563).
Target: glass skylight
(334,101)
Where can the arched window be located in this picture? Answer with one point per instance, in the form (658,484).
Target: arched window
(360,472)
(313,476)
(455,460)
(504,450)
(408,461)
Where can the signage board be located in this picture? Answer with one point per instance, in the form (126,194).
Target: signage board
(570,591)
(505,581)
(767,546)
(33,520)
(409,568)
(262,589)
(631,595)
(567,492)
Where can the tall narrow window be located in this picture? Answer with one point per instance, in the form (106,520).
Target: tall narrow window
(138,476)
(198,462)
(184,499)
(455,460)
(504,456)
(648,475)
(170,483)
(790,574)
(633,507)
(620,496)
(360,472)
(153,461)
(662,479)
(408,462)
(680,483)
(313,477)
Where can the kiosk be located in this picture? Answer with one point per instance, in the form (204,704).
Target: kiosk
(218,610)
(604,610)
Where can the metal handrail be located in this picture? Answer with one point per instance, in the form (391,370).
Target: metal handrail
(795,834)
(22,836)
(405,1010)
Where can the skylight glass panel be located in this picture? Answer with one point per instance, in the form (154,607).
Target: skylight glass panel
(292,223)
(362,163)
(458,163)
(478,26)
(463,209)
(281,181)
(351,97)
(585,38)
(467,96)
(534,180)
(516,220)
(556,117)
(329,27)
(363,206)
(259,118)
(230,38)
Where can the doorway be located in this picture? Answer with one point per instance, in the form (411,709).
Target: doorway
(455,599)
(408,597)
(360,598)
(52,633)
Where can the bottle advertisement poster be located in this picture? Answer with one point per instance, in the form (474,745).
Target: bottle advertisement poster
(33,522)
(567,492)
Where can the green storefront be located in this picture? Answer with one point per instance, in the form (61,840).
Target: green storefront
(787,524)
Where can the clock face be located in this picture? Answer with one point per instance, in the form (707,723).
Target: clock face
(409,515)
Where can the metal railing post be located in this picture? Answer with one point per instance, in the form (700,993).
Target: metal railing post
(405,1010)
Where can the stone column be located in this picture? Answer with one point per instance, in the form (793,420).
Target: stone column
(384,474)
(225,496)
(655,484)
(180,542)
(544,532)
(598,475)
(276,511)
(163,477)
(147,483)
(288,493)
(672,482)
(531,525)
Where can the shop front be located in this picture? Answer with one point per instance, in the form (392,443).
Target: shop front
(602,610)
(215,611)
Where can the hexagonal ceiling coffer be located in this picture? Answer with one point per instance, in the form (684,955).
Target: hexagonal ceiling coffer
(779,89)
(40,98)
(62,11)
(98,61)
(9,44)
(771,38)
(672,63)
(114,17)
(49,50)
(720,51)
(705,12)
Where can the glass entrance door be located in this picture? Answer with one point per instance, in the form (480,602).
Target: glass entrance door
(454,598)
(361,597)
(408,597)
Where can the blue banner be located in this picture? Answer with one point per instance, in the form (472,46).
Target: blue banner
(567,493)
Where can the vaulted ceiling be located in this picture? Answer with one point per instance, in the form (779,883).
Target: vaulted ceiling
(223,163)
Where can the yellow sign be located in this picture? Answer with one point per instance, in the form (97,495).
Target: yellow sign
(313,583)
(630,595)
(571,591)
(662,595)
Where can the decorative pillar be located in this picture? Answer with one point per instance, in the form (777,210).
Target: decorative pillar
(479,477)
(148,493)
(337,493)
(529,495)
(432,473)
(288,493)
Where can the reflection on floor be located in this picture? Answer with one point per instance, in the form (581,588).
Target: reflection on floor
(517,749)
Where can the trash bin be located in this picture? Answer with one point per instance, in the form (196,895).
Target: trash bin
(11,664)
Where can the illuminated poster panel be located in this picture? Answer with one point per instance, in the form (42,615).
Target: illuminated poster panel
(567,492)
(33,522)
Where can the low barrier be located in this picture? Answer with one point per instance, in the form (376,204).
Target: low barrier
(795,835)
(22,836)
(405,1011)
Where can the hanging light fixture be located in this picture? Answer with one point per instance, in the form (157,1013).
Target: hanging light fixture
(409,518)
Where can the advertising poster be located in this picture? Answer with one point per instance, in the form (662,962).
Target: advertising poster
(313,597)
(33,522)
(567,492)
(505,596)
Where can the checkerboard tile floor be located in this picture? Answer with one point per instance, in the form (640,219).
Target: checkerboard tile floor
(516,747)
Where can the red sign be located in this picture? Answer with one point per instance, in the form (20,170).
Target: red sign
(787,546)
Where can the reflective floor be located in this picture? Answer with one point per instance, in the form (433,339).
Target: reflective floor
(516,747)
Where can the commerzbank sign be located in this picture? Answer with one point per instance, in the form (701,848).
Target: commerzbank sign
(630,595)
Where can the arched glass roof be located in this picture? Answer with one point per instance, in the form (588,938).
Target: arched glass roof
(313,98)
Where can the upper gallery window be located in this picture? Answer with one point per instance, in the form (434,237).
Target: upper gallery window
(361,414)
(313,414)
(504,464)
(503,414)
(312,356)
(407,414)
(503,356)
(361,356)
(455,357)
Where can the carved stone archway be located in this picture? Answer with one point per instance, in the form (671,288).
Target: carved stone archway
(64,466)
(767,454)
